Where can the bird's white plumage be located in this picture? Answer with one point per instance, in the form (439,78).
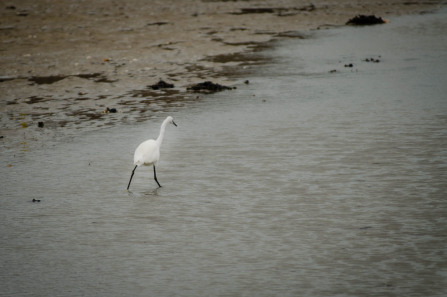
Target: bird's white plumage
(147,153)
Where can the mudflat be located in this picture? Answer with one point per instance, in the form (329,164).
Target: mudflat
(64,63)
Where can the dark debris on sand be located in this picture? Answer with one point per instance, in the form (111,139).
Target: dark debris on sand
(208,87)
(161,85)
(362,20)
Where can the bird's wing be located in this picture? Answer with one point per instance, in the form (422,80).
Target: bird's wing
(147,153)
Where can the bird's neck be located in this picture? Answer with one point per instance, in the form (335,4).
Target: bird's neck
(162,132)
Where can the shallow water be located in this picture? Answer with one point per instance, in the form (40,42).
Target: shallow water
(306,182)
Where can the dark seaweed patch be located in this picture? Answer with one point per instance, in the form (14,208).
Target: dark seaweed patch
(5,78)
(279,11)
(34,99)
(157,24)
(46,80)
(362,20)
(256,10)
(208,87)
(161,85)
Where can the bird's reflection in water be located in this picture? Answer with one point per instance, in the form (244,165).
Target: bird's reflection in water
(147,193)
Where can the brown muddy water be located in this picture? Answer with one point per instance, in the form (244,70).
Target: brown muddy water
(315,179)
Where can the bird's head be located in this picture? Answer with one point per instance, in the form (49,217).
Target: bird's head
(171,120)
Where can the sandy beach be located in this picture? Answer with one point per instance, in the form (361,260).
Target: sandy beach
(63,63)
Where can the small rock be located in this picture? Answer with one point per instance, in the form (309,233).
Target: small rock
(110,110)
(372,60)
(40,124)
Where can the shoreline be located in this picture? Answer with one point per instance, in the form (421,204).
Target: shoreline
(64,64)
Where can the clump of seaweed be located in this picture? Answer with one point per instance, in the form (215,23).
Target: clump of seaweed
(208,87)
(362,20)
(161,85)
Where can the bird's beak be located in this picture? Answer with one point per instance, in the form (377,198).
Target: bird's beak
(174,123)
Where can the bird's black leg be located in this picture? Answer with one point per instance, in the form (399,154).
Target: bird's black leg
(155,177)
(133,171)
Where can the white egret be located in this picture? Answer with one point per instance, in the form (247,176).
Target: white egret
(148,152)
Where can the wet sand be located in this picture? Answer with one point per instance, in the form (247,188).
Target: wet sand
(63,63)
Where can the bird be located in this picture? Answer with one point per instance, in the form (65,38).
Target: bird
(148,152)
